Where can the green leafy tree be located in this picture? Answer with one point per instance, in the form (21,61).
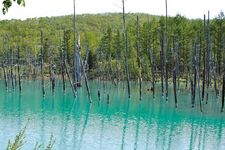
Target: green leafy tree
(8,3)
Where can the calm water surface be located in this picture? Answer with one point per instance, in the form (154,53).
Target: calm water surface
(123,124)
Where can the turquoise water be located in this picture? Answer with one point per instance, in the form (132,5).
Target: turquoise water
(122,124)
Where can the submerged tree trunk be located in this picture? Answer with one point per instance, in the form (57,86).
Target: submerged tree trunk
(153,71)
(85,78)
(125,51)
(5,75)
(195,75)
(42,66)
(162,59)
(223,90)
(166,54)
(62,63)
(204,65)
(35,69)
(27,74)
(174,70)
(75,47)
(197,66)
(186,85)
(175,85)
(177,66)
(71,83)
(18,69)
(11,68)
(209,61)
(139,57)
(52,71)
(162,71)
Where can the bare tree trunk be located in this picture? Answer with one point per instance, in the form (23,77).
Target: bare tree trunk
(52,71)
(174,71)
(153,71)
(223,90)
(177,66)
(162,71)
(85,78)
(204,66)
(186,85)
(195,75)
(61,63)
(99,95)
(174,83)
(35,68)
(208,60)
(42,66)
(166,53)
(11,68)
(139,57)
(50,68)
(18,69)
(71,83)
(75,47)
(5,75)
(125,51)
(27,63)
(197,66)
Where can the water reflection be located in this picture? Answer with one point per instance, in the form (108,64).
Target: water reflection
(125,125)
(122,124)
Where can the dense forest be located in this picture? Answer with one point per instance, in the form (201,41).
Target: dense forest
(103,33)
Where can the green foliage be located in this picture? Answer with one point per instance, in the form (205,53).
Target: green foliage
(18,142)
(101,35)
(8,3)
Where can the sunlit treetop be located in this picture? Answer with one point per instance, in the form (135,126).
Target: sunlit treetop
(8,3)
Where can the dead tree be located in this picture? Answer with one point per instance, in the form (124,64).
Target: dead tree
(11,68)
(204,64)
(42,66)
(209,61)
(84,73)
(166,54)
(197,66)
(174,82)
(177,66)
(138,57)
(125,51)
(62,63)
(18,69)
(27,74)
(174,70)
(186,81)
(5,75)
(35,67)
(162,71)
(152,62)
(162,57)
(223,90)
(195,76)
(70,81)
(75,47)
(52,68)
